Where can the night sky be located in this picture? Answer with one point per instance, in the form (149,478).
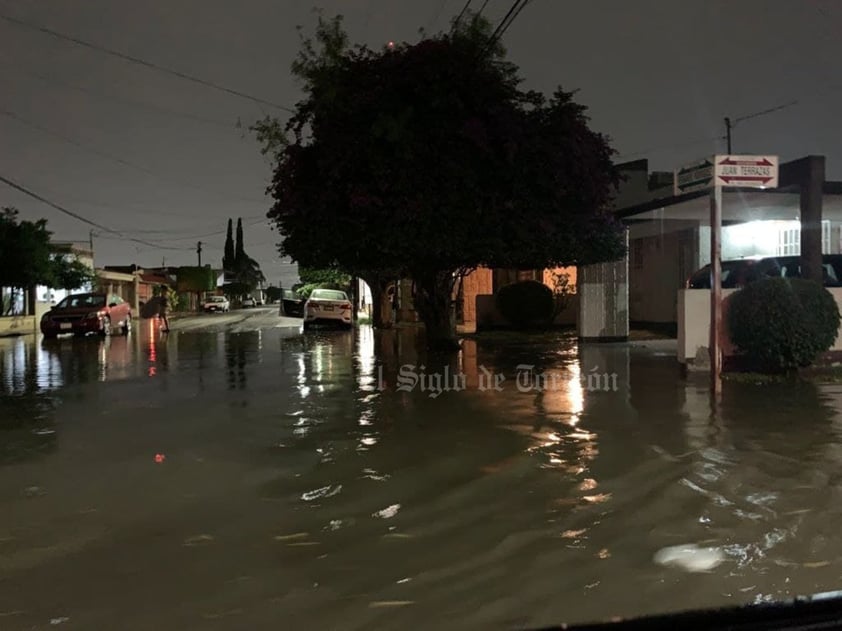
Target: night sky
(160,159)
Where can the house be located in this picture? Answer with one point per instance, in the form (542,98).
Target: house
(670,235)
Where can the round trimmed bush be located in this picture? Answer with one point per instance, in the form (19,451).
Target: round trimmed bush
(526,303)
(783,323)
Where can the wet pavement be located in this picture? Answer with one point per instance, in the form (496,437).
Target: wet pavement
(246,476)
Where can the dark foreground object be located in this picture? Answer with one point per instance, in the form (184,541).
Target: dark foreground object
(822,611)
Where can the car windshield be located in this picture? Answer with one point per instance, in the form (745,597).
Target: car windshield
(93,301)
(328,294)
(216,299)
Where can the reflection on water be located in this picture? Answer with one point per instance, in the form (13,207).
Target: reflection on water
(303,480)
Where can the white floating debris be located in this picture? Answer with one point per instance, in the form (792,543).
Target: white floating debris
(325,491)
(388,512)
(690,557)
(293,536)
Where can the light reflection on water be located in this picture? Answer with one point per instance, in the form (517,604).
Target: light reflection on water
(480,508)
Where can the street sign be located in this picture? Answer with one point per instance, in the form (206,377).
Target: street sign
(746,171)
(694,177)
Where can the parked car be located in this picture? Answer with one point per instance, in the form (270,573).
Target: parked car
(739,272)
(248,303)
(216,303)
(292,305)
(329,306)
(81,314)
(735,273)
(831,268)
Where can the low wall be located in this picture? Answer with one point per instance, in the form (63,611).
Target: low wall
(694,322)
(17,325)
(489,316)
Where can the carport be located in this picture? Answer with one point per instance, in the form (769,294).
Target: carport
(669,238)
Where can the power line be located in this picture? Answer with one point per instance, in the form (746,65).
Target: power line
(77,216)
(769,111)
(482,7)
(141,62)
(729,124)
(131,102)
(461,13)
(210,234)
(505,23)
(108,156)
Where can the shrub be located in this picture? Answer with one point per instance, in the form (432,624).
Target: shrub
(526,303)
(783,324)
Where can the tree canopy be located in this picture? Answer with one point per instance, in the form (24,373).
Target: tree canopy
(242,273)
(28,258)
(429,159)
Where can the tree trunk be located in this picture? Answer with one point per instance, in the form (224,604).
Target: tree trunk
(432,296)
(381,302)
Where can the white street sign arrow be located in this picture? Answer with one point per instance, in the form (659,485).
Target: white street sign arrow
(746,171)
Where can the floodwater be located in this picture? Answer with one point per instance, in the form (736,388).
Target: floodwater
(268,479)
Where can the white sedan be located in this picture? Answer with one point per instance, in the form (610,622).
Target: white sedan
(216,303)
(329,306)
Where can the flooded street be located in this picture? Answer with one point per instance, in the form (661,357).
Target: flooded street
(236,478)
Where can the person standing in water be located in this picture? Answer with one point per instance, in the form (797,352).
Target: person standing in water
(164,308)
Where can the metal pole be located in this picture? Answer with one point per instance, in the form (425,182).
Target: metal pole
(716,289)
(728,133)
(199,252)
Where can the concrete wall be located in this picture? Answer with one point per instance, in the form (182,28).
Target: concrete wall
(694,322)
(659,265)
(18,325)
(23,325)
(603,291)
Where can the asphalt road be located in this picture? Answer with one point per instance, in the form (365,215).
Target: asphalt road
(238,319)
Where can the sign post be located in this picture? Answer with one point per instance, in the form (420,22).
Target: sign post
(716,290)
(713,174)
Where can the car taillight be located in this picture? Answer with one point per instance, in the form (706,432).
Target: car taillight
(345,305)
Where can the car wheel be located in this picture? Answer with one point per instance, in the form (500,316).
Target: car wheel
(306,326)
(106,327)
(50,336)
(127,325)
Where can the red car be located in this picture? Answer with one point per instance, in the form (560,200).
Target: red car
(81,314)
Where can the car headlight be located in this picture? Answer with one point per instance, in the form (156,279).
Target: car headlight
(92,315)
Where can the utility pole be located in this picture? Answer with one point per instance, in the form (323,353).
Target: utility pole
(730,124)
(199,252)
(728,133)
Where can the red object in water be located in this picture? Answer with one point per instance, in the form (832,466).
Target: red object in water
(159,458)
